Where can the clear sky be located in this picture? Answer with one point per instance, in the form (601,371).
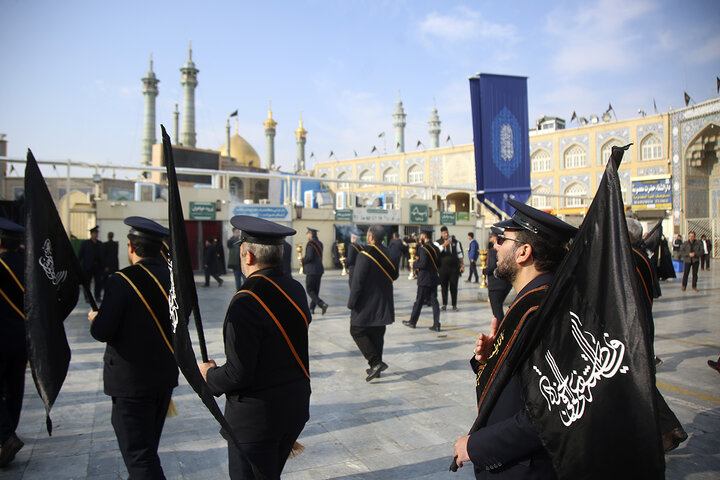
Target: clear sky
(70,70)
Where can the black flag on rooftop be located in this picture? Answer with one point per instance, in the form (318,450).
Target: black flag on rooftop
(183,298)
(52,284)
(588,382)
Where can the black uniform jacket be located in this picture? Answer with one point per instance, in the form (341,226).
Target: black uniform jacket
(427,263)
(12,325)
(371,289)
(395,247)
(352,253)
(110,255)
(449,260)
(138,362)
(312,262)
(489,270)
(509,446)
(264,385)
(90,255)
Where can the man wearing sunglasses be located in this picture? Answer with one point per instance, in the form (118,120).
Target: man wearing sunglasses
(530,247)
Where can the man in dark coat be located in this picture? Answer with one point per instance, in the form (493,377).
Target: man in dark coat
(140,370)
(353,251)
(395,247)
(233,263)
(313,267)
(287,259)
(690,252)
(13,353)
(706,245)
(111,262)
(428,256)
(473,254)
(90,256)
(530,248)
(451,266)
(498,288)
(676,244)
(371,301)
(210,263)
(266,379)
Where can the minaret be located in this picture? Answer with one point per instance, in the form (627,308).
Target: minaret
(399,125)
(270,140)
(189,82)
(300,139)
(176,118)
(150,91)
(434,128)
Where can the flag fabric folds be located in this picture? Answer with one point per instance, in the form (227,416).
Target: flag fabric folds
(687,98)
(52,284)
(588,381)
(182,297)
(234,114)
(500,134)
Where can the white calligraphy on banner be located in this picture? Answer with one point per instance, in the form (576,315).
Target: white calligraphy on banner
(573,392)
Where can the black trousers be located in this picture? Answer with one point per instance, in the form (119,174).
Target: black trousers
(12,388)
(425,294)
(666,418)
(473,271)
(263,460)
(449,278)
(370,341)
(497,297)
(312,285)
(98,278)
(138,424)
(686,273)
(214,274)
(705,262)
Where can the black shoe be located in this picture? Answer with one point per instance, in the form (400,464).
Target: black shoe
(408,323)
(312,310)
(658,361)
(374,372)
(220,282)
(673,438)
(714,365)
(324,308)
(434,328)
(455,309)
(444,307)
(9,449)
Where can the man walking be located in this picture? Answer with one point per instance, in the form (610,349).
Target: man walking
(371,301)
(313,267)
(498,288)
(233,246)
(706,251)
(140,370)
(91,261)
(210,263)
(427,280)
(690,252)
(473,254)
(451,266)
(353,251)
(266,379)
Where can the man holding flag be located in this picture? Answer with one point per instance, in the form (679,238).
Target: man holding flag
(140,371)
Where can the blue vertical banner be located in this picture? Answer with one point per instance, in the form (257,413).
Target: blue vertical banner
(501,136)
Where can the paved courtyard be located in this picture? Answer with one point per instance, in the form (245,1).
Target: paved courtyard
(402,426)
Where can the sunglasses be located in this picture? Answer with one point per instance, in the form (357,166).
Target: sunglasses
(502,238)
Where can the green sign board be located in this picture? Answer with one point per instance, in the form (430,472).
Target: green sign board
(419,213)
(447,218)
(202,210)
(343,215)
(463,216)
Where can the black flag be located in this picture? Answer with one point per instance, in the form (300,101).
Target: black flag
(574,116)
(52,284)
(717,79)
(234,114)
(687,98)
(588,383)
(655,106)
(183,298)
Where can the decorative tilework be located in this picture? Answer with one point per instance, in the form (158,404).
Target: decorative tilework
(566,180)
(436,169)
(643,130)
(347,169)
(601,138)
(546,182)
(565,142)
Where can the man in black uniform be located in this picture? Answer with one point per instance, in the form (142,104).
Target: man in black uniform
(353,251)
(530,248)
(111,262)
(140,370)
(91,261)
(498,288)
(13,353)
(313,267)
(451,266)
(371,302)
(426,265)
(266,379)
(395,247)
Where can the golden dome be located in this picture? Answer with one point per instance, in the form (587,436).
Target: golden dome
(241,151)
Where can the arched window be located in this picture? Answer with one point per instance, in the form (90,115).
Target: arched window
(342,185)
(606,150)
(390,175)
(651,148)
(540,197)
(575,157)
(415,174)
(540,161)
(236,188)
(324,185)
(367,175)
(575,190)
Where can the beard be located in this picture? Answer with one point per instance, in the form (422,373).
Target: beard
(507,269)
